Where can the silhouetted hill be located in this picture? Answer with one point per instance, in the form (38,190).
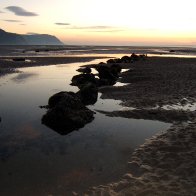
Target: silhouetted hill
(11,38)
(42,39)
(7,38)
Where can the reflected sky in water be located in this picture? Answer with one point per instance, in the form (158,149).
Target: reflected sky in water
(36,160)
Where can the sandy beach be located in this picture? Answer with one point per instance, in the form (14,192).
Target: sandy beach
(161,89)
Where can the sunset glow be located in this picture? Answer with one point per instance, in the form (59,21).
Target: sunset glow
(102,22)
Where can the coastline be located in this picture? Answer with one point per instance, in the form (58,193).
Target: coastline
(163,89)
(7,65)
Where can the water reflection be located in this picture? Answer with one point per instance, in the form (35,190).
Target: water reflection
(22,77)
(35,160)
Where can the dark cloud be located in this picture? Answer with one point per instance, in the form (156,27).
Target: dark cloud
(19,11)
(12,20)
(61,23)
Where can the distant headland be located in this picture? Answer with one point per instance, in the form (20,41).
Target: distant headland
(7,38)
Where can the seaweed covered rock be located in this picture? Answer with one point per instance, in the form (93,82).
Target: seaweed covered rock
(66,113)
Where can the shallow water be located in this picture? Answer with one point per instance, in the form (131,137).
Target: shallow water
(36,160)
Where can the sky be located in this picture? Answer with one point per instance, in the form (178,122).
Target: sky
(104,22)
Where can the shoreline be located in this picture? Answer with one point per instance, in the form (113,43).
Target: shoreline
(7,65)
(164,164)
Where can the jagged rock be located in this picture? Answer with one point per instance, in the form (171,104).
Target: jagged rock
(66,113)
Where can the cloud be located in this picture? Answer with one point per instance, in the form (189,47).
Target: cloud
(91,27)
(1,12)
(61,23)
(19,11)
(97,28)
(32,33)
(12,20)
(107,31)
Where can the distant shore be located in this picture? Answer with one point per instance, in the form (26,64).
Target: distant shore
(163,89)
(7,65)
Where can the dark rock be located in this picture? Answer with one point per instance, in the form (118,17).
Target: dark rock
(81,79)
(18,59)
(143,56)
(105,73)
(172,51)
(37,50)
(135,57)
(102,63)
(106,82)
(115,69)
(84,70)
(66,113)
(58,97)
(44,106)
(88,93)
(126,59)
(111,61)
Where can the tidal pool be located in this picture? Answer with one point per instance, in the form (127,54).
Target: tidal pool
(35,160)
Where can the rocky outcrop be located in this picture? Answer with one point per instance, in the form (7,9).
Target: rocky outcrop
(66,113)
(128,59)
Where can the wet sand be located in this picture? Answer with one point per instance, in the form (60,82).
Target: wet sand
(165,164)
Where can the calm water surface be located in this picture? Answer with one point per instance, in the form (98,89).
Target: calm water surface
(36,160)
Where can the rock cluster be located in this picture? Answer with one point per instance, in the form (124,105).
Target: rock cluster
(67,111)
